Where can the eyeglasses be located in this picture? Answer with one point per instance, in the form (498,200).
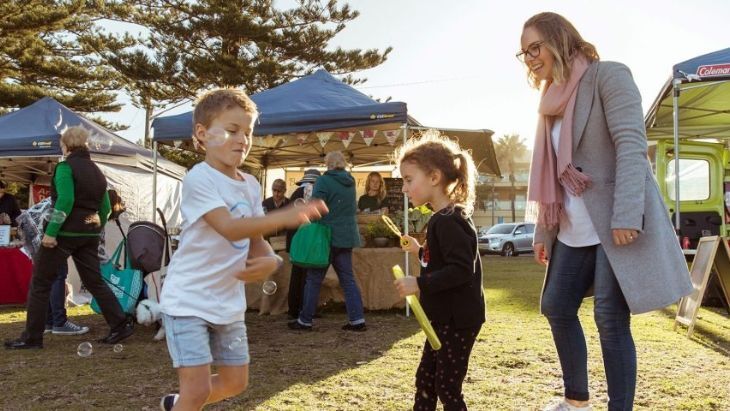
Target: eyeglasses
(533,50)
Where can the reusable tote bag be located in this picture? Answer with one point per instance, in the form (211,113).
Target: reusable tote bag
(310,246)
(126,283)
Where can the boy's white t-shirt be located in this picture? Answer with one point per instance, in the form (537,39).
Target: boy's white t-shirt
(200,279)
(576,227)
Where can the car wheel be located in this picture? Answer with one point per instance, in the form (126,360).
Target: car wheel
(508,250)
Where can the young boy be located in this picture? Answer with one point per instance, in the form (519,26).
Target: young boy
(221,247)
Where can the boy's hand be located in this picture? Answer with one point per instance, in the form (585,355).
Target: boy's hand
(303,213)
(406,286)
(259,268)
(409,244)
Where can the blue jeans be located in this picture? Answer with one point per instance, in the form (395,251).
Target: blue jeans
(56,316)
(341,260)
(570,274)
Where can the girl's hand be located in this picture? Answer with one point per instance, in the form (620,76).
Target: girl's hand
(48,241)
(406,286)
(259,268)
(409,244)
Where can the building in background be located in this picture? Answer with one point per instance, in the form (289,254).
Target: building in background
(494,195)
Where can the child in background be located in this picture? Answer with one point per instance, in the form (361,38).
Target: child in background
(221,247)
(436,171)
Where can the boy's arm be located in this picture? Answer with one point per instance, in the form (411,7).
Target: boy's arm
(260,248)
(64,182)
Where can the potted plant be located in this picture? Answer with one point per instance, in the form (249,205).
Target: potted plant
(379,233)
(417,222)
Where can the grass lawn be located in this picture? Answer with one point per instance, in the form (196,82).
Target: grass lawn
(513,366)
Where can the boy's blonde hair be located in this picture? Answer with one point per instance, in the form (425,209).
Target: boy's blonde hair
(432,151)
(212,103)
(563,41)
(74,138)
(335,160)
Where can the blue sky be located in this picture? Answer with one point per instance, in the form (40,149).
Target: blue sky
(453,62)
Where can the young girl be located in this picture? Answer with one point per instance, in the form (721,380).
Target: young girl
(436,171)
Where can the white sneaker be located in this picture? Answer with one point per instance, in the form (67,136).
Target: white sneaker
(563,405)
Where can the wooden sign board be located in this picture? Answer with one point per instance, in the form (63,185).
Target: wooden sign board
(394,194)
(712,252)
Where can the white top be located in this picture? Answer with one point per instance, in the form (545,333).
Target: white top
(200,279)
(576,227)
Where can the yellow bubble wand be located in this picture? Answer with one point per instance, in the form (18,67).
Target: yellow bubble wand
(421,317)
(394,228)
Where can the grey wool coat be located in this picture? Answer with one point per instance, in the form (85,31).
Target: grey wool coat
(609,145)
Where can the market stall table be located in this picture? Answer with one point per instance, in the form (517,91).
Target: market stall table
(15,273)
(372,268)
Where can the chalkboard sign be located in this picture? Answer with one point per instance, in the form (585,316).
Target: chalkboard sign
(699,274)
(394,196)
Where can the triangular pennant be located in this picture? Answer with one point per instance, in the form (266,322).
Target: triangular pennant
(324,137)
(346,137)
(302,138)
(391,136)
(368,136)
(177,143)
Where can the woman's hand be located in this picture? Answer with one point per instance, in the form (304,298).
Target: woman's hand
(406,286)
(624,237)
(409,244)
(48,241)
(539,253)
(259,268)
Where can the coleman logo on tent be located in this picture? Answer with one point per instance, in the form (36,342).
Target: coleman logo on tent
(42,144)
(379,116)
(714,70)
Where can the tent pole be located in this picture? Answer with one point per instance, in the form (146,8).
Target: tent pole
(405,220)
(675,120)
(154,183)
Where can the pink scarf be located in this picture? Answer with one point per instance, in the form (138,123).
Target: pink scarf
(551,173)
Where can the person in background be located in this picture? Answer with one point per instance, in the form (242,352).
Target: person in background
(9,209)
(374,197)
(81,208)
(337,188)
(299,274)
(277,200)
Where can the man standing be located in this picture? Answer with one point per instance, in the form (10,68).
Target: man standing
(277,200)
(9,209)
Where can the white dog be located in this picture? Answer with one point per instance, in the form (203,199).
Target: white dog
(148,313)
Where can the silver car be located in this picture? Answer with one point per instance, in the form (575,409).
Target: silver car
(509,239)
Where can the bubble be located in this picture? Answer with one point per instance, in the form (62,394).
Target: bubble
(118,348)
(99,143)
(55,216)
(85,349)
(217,136)
(269,287)
(237,343)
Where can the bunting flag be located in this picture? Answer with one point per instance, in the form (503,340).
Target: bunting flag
(270,140)
(346,137)
(302,138)
(391,136)
(324,137)
(368,136)
(177,143)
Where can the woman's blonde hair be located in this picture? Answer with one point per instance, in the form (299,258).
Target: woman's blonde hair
(563,41)
(432,151)
(381,191)
(335,160)
(74,138)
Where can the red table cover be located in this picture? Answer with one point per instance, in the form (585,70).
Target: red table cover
(15,273)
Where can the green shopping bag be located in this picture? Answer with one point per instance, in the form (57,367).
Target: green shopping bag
(126,283)
(310,246)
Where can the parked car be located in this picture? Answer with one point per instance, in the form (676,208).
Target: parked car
(509,239)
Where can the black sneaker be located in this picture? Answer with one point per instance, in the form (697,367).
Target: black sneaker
(357,327)
(22,344)
(120,333)
(296,325)
(168,401)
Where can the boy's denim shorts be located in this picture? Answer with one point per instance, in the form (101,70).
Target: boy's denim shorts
(192,341)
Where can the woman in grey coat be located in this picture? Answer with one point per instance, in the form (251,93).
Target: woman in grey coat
(601,222)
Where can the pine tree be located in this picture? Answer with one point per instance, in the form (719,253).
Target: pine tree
(40,56)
